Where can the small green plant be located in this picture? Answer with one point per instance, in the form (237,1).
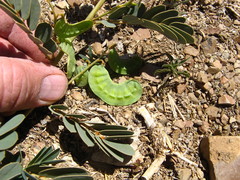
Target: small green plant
(172,68)
(39,167)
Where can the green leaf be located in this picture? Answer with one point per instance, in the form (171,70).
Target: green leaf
(10,171)
(51,156)
(115,132)
(67,47)
(50,45)
(54,108)
(65,30)
(94,137)
(34,14)
(12,124)
(187,36)
(17,4)
(105,127)
(120,147)
(69,125)
(107,24)
(37,168)
(164,15)
(123,66)
(153,11)
(43,32)
(83,135)
(37,160)
(168,32)
(183,27)
(8,140)
(173,19)
(112,153)
(30,177)
(79,116)
(81,81)
(181,38)
(2,155)
(52,162)
(74,177)
(118,137)
(118,13)
(130,19)
(26,8)
(54,172)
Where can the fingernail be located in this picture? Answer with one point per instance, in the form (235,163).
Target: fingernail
(53,88)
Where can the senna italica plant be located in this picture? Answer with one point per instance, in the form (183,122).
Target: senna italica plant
(60,35)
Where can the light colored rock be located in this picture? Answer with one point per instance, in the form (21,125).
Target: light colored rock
(226,100)
(213,70)
(184,174)
(202,77)
(204,128)
(190,50)
(217,64)
(141,34)
(212,112)
(181,88)
(223,80)
(209,46)
(224,119)
(232,120)
(237,64)
(97,48)
(77,95)
(223,156)
(193,98)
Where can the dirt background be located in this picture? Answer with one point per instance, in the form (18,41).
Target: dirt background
(185,110)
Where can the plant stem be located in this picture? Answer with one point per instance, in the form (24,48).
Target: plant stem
(82,72)
(113,9)
(95,9)
(58,58)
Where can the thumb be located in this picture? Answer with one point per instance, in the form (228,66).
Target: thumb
(26,84)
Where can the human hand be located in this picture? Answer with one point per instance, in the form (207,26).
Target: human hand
(27,79)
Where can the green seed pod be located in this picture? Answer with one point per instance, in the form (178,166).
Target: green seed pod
(122,94)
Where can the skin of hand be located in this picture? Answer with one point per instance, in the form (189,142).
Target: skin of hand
(27,79)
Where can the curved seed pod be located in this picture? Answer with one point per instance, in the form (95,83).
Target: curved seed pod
(122,94)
